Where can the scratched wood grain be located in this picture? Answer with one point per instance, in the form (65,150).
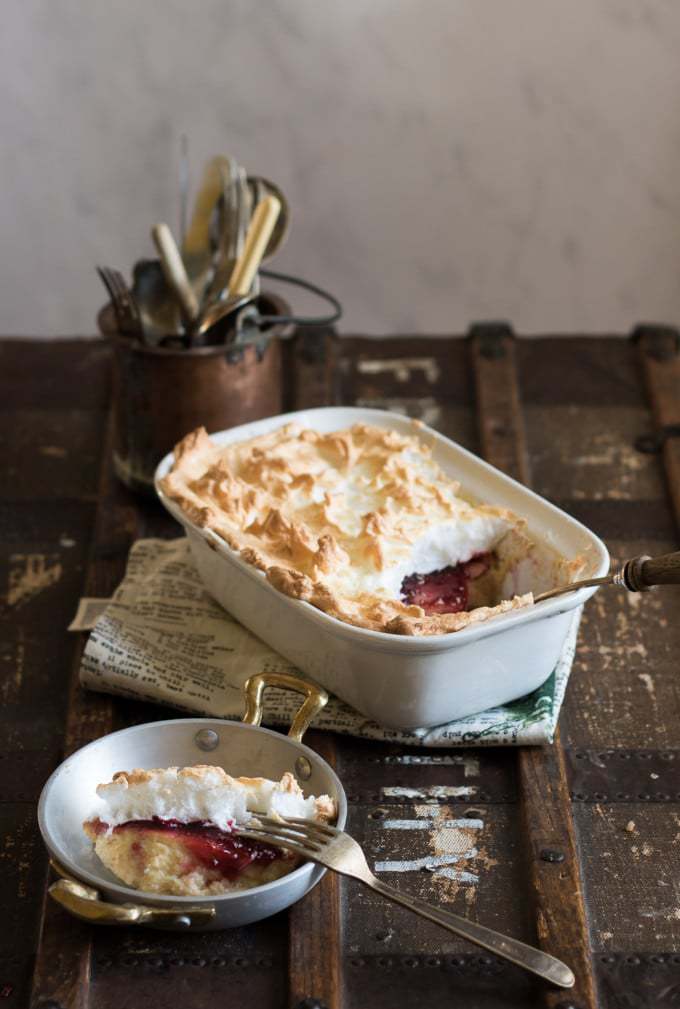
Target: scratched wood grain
(51,456)
(588,453)
(315,922)
(478,853)
(660,365)
(546,821)
(633,847)
(622,695)
(623,686)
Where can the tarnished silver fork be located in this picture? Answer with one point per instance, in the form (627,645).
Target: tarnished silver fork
(336,850)
(123,301)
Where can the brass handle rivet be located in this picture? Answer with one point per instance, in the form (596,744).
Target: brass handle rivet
(206,740)
(182,920)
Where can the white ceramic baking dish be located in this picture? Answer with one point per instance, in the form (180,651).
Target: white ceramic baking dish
(407,682)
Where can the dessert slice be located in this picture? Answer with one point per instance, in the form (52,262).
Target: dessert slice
(171,830)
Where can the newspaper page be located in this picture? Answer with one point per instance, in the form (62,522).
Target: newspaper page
(162,638)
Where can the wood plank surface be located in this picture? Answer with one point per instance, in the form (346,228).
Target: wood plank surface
(583,403)
(63,958)
(660,359)
(314,923)
(547,827)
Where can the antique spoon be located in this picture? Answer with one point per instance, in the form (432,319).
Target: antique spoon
(245,270)
(235,218)
(259,188)
(175,272)
(637,575)
(159,311)
(197,251)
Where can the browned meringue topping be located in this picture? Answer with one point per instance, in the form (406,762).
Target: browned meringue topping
(339,519)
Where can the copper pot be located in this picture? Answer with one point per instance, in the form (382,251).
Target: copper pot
(162,393)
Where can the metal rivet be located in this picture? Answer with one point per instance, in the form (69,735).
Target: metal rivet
(303,768)
(206,740)
(550,855)
(182,921)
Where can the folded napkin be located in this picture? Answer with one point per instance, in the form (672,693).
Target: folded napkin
(162,638)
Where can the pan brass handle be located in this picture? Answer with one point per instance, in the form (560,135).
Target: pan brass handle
(316,698)
(84,902)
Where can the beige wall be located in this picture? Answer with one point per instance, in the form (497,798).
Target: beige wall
(446,159)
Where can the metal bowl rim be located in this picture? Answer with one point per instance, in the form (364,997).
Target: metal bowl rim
(107,887)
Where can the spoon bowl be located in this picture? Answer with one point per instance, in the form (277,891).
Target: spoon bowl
(158,309)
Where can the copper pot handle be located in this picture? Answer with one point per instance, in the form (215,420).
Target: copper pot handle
(85,902)
(316,698)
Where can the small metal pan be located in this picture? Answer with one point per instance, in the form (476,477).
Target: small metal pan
(87,890)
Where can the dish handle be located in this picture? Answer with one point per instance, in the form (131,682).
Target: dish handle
(84,902)
(316,698)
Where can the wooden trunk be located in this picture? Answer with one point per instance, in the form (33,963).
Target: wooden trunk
(580,845)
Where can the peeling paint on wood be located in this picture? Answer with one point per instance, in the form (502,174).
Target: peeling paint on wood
(29,575)
(424,408)
(401,367)
(432,792)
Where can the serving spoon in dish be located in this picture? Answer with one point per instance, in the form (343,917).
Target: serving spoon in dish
(640,574)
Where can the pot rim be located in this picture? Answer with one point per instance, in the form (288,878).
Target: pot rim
(105,322)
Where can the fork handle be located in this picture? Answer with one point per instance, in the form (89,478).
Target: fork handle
(533,960)
(663,570)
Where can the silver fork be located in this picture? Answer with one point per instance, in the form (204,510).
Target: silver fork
(336,850)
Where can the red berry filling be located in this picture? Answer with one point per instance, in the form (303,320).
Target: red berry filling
(445,591)
(216,849)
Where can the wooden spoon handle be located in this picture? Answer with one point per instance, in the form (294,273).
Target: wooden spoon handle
(664,570)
